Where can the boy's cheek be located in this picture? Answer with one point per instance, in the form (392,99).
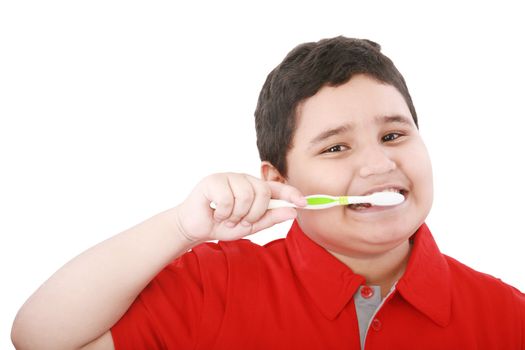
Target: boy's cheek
(321,181)
(423,183)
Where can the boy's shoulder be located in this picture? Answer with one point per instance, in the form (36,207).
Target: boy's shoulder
(477,285)
(243,251)
(240,246)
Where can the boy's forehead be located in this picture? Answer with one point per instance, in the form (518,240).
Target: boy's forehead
(347,127)
(361,100)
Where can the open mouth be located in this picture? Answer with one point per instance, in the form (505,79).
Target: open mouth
(363,206)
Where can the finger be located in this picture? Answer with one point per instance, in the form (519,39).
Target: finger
(273,217)
(218,191)
(262,195)
(287,192)
(243,194)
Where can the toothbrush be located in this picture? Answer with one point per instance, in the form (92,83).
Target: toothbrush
(323,201)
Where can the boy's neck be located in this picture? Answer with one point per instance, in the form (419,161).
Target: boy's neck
(382,269)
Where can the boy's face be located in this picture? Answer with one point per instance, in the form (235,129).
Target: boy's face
(355,139)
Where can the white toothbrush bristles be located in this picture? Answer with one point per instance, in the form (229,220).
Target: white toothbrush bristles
(386,198)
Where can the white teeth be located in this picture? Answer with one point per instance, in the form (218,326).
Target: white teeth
(388,190)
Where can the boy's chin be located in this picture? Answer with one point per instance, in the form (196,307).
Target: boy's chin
(386,237)
(374,238)
(376,225)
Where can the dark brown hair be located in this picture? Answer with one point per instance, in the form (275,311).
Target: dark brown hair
(302,73)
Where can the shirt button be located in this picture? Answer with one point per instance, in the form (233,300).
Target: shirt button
(376,324)
(367,292)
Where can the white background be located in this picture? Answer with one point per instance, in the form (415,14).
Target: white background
(111,111)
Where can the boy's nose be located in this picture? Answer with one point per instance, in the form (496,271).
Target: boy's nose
(376,162)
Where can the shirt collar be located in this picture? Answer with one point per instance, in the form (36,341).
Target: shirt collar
(331,284)
(426,282)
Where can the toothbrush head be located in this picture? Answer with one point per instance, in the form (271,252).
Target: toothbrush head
(385,198)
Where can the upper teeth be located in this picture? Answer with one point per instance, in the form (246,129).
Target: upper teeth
(387,190)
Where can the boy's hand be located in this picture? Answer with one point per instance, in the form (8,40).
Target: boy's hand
(242,203)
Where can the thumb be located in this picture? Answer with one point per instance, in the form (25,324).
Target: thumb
(273,217)
(286,192)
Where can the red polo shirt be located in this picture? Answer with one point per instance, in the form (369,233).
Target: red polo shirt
(293,294)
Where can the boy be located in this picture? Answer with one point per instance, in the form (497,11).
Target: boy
(335,117)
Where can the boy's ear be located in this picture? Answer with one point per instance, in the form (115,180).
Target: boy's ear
(270,173)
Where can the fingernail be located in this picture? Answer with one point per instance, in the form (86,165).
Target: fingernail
(245,223)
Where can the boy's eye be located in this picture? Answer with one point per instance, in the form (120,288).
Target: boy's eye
(335,149)
(391,137)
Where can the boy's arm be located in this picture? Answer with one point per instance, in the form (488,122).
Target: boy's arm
(81,301)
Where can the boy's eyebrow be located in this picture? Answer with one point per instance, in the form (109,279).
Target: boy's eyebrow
(385,119)
(331,132)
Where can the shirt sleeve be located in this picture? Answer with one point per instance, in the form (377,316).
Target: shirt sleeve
(166,314)
(519,305)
